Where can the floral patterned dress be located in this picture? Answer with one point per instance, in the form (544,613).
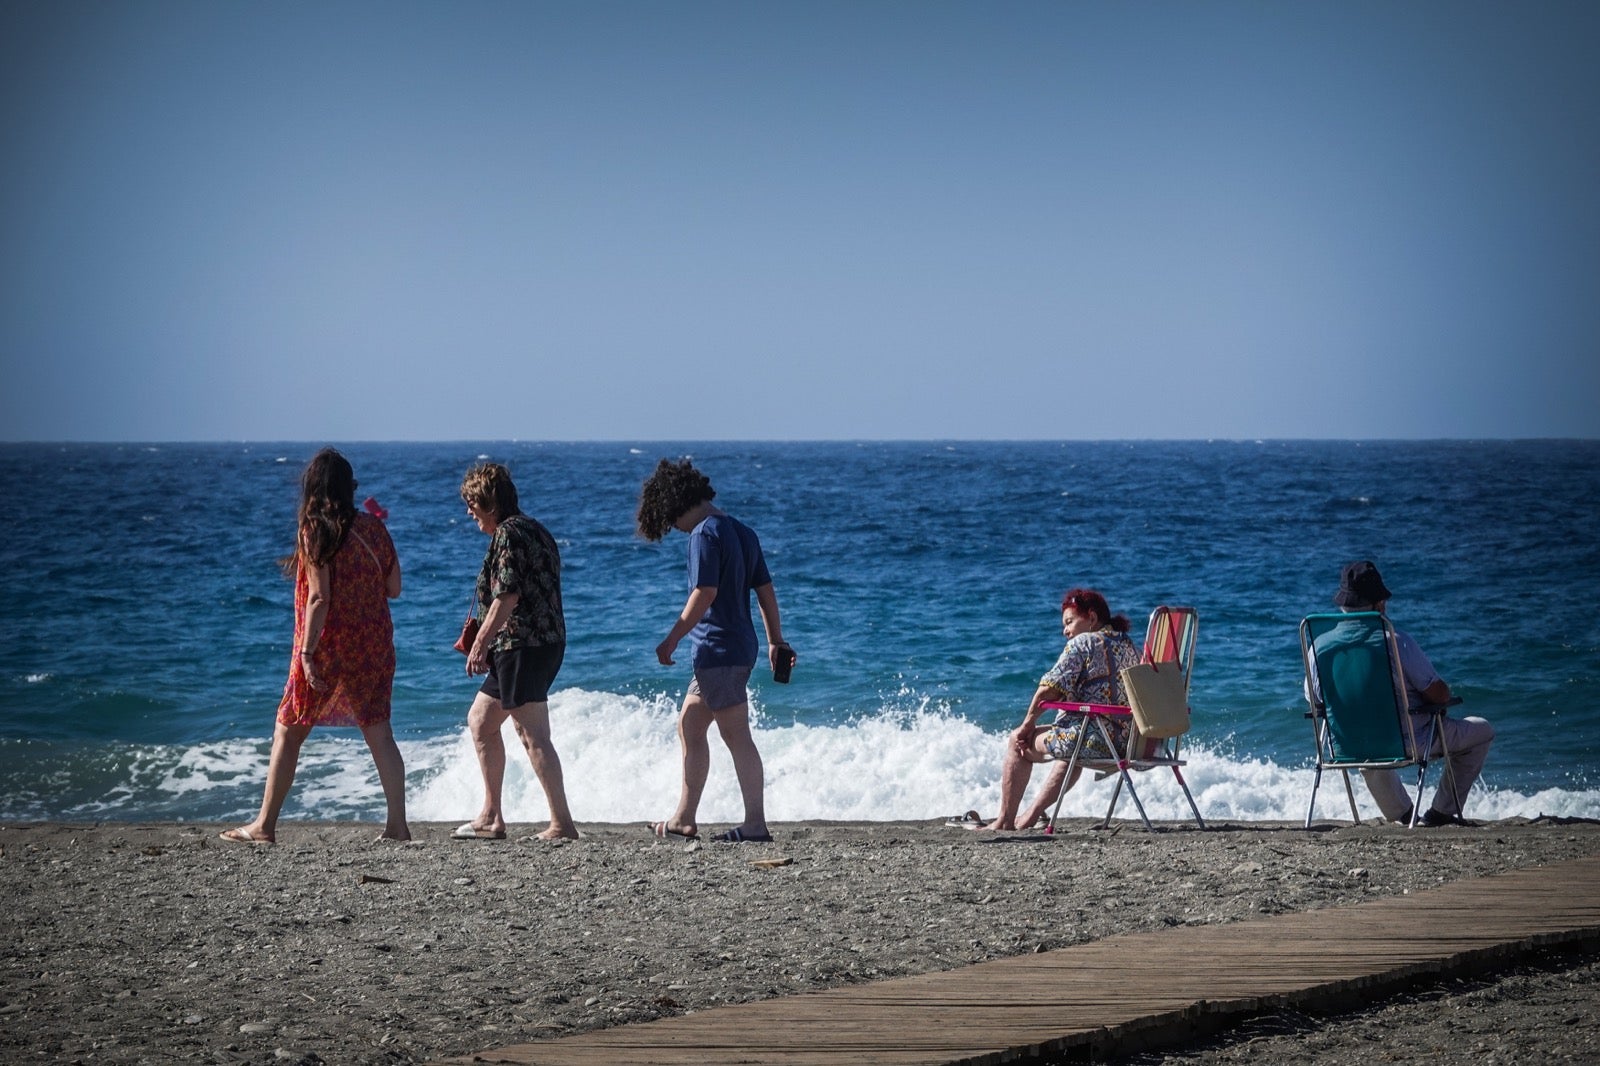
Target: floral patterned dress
(1090,671)
(355,654)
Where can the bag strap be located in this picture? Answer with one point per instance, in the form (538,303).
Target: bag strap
(363,542)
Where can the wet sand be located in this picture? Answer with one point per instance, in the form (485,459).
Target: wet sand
(135,943)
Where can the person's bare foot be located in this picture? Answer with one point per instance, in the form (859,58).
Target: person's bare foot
(559,833)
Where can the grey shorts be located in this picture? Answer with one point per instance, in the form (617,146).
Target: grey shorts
(721,687)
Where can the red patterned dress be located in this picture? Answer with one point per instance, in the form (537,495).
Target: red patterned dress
(355,654)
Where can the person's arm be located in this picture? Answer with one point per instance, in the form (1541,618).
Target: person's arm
(1421,677)
(494,620)
(767,600)
(318,581)
(698,604)
(393,578)
(1022,739)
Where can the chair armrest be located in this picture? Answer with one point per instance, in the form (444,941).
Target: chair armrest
(1107,709)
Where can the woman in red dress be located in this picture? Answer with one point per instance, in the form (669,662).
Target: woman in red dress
(345,573)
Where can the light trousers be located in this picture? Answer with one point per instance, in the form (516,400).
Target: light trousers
(1469,740)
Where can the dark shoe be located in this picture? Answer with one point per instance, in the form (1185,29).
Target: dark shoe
(1433,819)
(737,835)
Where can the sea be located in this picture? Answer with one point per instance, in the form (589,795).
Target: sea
(148,628)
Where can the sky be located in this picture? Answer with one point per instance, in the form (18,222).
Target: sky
(660,220)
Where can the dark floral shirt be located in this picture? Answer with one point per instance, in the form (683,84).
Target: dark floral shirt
(523,558)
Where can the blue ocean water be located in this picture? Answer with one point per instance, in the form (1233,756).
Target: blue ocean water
(148,629)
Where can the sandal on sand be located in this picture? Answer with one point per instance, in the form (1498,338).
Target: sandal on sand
(739,836)
(964,821)
(242,835)
(468,831)
(663,830)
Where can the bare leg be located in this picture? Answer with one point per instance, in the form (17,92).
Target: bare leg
(693,723)
(286,742)
(734,725)
(484,720)
(1055,784)
(1014,776)
(392,776)
(532,723)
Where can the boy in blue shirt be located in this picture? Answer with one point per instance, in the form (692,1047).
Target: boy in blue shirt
(725,566)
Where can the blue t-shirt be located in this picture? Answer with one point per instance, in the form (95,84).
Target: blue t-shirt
(725,553)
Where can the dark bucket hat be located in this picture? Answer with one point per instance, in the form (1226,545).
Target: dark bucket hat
(1360,585)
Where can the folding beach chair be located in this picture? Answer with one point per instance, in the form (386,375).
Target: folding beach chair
(1157,717)
(1357,698)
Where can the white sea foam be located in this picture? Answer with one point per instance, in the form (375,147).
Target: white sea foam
(620,757)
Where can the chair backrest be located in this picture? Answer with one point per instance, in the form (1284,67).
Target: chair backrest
(1353,677)
(1160,702)
(1170,635)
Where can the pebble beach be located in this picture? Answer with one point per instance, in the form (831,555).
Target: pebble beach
(149,943)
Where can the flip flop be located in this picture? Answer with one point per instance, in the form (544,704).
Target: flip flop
(468,831)
(663,830)
(242,835)
(739,836)
(964,821)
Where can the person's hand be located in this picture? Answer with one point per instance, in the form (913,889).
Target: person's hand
(477,660)
(1022,740)
(664,652)
(313,678)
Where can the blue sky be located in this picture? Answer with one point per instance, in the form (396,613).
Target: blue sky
(401,220)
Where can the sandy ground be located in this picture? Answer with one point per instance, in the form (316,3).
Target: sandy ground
(131,943)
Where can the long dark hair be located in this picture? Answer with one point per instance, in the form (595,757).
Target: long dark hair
(327,510)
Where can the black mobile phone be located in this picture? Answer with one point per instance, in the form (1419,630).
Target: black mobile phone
(783,663)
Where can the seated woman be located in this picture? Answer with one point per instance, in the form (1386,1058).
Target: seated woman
(1088,671)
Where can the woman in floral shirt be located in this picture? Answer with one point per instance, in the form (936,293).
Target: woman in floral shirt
(519,647)
(1088,671)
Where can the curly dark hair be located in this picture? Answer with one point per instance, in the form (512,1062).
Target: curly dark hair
(668,494)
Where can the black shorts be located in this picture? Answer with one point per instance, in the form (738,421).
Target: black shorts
(523,675)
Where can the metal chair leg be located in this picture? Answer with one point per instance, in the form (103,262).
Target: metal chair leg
(1350,794)
(1316,783)
(1201,822)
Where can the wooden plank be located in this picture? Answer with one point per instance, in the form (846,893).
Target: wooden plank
(1134,983)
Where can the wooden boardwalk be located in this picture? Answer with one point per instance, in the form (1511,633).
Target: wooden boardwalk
(1122,991)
